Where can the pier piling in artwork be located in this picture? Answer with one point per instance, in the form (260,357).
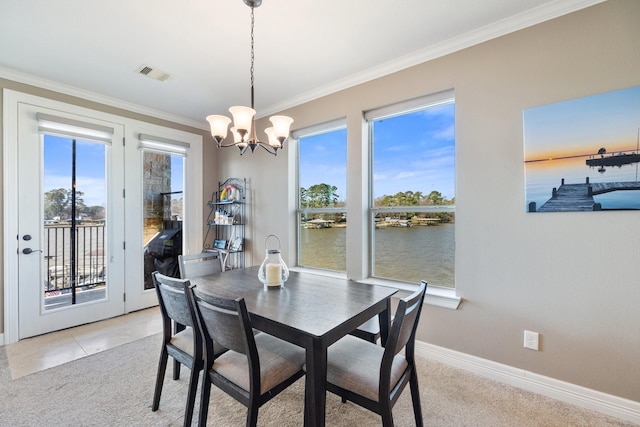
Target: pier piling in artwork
(579,197)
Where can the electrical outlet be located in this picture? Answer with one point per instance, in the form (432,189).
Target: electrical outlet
(531,340)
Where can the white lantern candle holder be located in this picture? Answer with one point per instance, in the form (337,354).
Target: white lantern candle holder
(273,271)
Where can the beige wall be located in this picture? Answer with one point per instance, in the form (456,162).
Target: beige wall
(572,277)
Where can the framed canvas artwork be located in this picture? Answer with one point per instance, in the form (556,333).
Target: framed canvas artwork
(583,154)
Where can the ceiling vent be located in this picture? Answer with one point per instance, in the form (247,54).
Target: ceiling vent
(153,73)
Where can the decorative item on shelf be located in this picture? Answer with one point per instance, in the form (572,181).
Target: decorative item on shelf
(236,245)
(273,271)
(228,194)
(244,123)
(220,244)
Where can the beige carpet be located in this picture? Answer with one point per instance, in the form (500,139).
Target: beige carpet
(115,388)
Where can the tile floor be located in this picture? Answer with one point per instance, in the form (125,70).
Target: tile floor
(45,351)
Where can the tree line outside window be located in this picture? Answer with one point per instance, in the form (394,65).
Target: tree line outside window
(412,207)
(57,206)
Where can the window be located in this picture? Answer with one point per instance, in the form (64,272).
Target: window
(412,191)
(322,209)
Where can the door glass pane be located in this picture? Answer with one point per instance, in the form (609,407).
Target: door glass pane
(163,211)
(74,203)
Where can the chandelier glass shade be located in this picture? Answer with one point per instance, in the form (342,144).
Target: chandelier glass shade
(244,124)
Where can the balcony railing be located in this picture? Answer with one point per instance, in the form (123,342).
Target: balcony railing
(81,267)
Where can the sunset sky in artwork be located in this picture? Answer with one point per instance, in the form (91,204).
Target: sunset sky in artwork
(583,126)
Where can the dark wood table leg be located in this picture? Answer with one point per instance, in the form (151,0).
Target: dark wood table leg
(315,396)
(384,317)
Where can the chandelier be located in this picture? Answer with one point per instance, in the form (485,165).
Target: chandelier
(244,123)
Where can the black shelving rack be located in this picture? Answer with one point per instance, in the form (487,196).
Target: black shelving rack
(226,223)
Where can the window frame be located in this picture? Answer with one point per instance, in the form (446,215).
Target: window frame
(322,128)
(436,295)
(361,216)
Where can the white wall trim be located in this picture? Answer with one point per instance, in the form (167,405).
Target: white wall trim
(497,29)
(604,403)
(523,20)
(42,83)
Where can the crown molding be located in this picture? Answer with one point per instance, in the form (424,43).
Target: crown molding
(499,28)
(29,79)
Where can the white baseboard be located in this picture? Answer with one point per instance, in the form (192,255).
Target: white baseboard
(608,404)
(1,340)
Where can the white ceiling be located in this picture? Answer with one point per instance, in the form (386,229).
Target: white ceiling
(303,48)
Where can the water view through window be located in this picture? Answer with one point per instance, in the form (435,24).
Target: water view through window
(322,200)
(413,196)
(412,213)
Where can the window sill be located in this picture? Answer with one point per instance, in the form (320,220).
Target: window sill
(436,295)
(320,272)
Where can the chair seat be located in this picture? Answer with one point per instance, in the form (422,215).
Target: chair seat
(354,365)
(279,360)
(183,340)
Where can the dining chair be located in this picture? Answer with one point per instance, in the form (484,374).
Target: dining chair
(196,265)
(368,331)
(180,339)
(374,377)
(255,369)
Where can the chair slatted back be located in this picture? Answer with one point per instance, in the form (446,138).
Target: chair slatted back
(405,322)
(197,265)
(226,321)
(171,295)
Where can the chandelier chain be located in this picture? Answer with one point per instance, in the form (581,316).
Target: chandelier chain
(252,54)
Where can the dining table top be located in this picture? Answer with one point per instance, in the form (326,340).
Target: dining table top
(310,303)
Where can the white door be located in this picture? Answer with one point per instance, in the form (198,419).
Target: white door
(109,226)
(70,220)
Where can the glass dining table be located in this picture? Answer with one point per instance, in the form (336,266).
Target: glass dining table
(311,311)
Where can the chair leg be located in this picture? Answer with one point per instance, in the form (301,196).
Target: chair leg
(415,398)
(204,399)
(385,412)
(191,395)
(162,366)
(252,413)
(176,369)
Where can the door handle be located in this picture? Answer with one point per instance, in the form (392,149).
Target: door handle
(27,251)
